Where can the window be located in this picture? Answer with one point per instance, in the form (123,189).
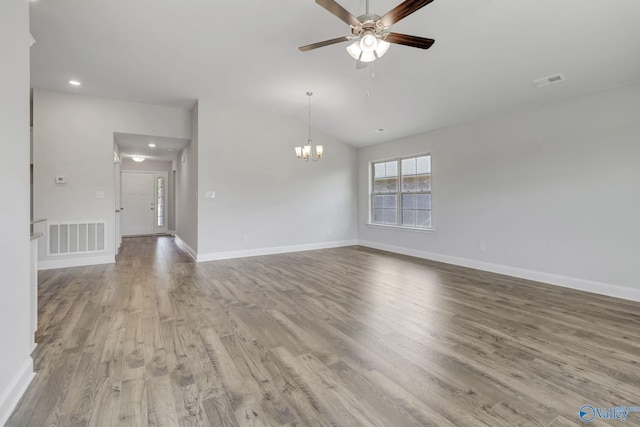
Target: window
(160,199)
(401,192)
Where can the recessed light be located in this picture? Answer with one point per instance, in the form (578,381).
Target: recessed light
(74,83)
(379,130)
(151,145)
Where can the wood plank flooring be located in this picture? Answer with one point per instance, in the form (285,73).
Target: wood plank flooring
(347,336)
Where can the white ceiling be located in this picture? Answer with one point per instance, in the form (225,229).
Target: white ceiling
(244,52)
(166,149)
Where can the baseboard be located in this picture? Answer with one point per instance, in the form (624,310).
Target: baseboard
(14,391)
(185,247)
(75,262)
(607,289)
(216,256)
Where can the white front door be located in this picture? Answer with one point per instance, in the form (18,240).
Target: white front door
(138,203)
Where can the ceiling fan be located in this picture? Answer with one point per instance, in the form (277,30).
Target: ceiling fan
(372,40)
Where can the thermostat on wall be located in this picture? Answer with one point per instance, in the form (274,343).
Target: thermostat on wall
(60,180)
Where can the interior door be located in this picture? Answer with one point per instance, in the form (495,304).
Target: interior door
(138,204)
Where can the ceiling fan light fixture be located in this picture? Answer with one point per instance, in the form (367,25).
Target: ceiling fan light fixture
(354,50)
(368,42)
(368,56)
(382,48)
(359,53)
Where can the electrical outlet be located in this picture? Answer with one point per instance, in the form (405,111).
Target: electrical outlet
(482,247)
(328,232)
(245,238)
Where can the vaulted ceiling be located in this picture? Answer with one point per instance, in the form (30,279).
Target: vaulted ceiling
(244,52)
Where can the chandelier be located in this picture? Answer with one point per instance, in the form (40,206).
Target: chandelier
(308,151)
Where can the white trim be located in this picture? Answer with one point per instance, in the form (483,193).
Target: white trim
(188,249)
(274,250)
(76,262)
(16,388)
(607,289)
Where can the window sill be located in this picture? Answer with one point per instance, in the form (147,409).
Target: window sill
(399,227)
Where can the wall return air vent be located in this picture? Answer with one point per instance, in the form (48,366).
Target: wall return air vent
(556,78)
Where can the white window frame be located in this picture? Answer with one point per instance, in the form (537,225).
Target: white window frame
(399,193)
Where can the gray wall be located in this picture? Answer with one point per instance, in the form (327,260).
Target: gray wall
(552,193)
(73,137)
(263,191)
(186,167)
(16,367)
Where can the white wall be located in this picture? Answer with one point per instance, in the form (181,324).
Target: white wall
(73,137)
(186,167)
(552,192)
(16,367)
(263,191)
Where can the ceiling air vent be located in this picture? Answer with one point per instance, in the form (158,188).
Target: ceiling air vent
(548,80)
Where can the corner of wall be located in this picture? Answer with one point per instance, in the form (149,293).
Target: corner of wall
(10,396)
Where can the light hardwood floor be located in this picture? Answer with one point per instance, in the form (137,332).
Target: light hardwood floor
(347,336)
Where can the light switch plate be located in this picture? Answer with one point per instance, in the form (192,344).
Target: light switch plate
(99,194)
(210,195)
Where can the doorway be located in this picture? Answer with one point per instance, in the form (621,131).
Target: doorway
(144,203)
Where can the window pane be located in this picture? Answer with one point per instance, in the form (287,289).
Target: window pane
(423,201)
(424,164)
(392,185)
(378,216)
(392,216)
(160,202)
(424,182)
(413,209)
(408,166)
(390,202)
(408,201)
(423,219)
(379,185)
(392,168)
(409,218)
(378,170)
(409,183)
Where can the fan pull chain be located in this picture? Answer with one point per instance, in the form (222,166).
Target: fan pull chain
(370,81)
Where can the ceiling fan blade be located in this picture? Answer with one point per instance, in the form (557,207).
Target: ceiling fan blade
(339,11)
(413,41)
(325,43)
(401,11)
